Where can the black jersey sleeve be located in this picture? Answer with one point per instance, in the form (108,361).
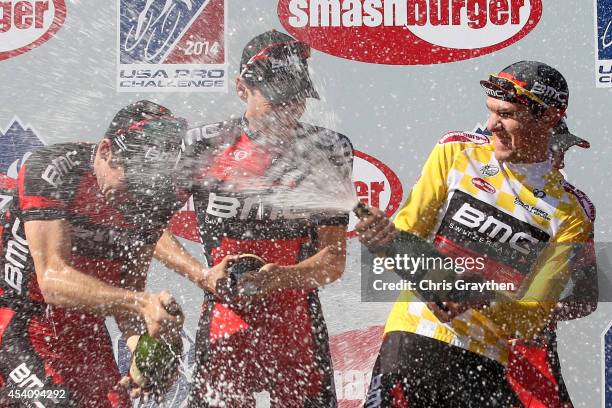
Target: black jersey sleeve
(197,152)
(340,156)
(8,189)
(48,181)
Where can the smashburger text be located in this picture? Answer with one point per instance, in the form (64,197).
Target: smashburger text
(475,14)
(22,14)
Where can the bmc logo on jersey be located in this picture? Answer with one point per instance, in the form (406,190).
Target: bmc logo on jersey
(375,184)
(409,32)
(16,258)
(26,24)
(18,142)
(172,45)
(493,228)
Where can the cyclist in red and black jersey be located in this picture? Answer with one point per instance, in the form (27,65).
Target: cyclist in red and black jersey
(276,340)
(78,238)
(534,369)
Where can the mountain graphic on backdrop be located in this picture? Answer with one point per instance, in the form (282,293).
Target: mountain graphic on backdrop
(482,130)
(16,143)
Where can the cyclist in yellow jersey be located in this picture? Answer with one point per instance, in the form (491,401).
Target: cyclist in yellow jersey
(503,200)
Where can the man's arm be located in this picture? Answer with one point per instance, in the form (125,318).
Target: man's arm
(582,300)
(170,252)
(134,278)
(173,255)
(324,267)
(63,285)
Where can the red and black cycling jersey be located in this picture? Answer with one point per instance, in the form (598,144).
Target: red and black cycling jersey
(232,218)
(58,182)
(284,330)
(15,260)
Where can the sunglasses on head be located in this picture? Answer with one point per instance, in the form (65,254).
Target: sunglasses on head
(515,92)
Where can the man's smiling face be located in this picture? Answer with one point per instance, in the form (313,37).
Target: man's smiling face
(519,136)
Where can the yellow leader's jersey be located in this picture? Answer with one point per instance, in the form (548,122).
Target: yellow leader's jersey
(525,219)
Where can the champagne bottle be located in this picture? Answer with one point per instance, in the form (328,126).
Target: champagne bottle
(244,264)
(154,362)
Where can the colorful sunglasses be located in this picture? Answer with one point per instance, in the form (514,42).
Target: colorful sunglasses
(515,91)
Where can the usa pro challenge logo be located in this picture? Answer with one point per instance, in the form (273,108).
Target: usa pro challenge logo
(172,45)
(409,32)
(604,43)
(25,25)
(18,142)
(375,183)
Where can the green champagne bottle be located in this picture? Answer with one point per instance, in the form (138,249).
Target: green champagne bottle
(155,362)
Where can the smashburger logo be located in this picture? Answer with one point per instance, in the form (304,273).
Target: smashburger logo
(354,354)
(26,24)
(375,184)
(409,32)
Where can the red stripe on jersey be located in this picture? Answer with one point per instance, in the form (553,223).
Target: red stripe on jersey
(34,292)
(89,202)
(240,162)
(399,399)
(224,322)
(108,271)
(279,251)
(6,315)
(185,225)
(7,182)
(51,372)
(29,202)
(140,124)
(584,201)
(531,377)
(493,270)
